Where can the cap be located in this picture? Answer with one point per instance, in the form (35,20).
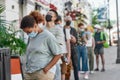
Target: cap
(98,26)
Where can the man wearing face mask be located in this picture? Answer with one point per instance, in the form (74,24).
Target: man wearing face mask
(82,50)
(74,56)
(99,49)
(42,51)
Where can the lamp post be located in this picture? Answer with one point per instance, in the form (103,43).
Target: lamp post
(109,24)
(118,44)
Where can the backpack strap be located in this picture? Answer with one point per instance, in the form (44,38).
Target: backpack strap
(65,33)
(102,34)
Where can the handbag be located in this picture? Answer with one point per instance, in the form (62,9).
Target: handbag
(106,44)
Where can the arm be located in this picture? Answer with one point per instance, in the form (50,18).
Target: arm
(103,41)
(68,50)
(93,43)
(74,35)
(53,47)
(68,46)
(52,63)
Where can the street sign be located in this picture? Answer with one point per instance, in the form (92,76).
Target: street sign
(102,14)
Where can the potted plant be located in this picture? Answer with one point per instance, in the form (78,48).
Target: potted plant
(9,39)
(8,36)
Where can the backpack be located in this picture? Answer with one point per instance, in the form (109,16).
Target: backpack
(105,44)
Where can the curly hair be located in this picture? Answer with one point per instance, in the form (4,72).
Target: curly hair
(37,16)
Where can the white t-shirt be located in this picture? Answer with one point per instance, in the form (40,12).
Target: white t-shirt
(90,40)
(68,36)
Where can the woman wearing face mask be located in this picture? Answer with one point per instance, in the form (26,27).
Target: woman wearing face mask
(40,21)
(82,50)
(56,30)
(42,51)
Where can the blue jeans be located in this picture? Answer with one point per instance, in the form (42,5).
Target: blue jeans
(82,52)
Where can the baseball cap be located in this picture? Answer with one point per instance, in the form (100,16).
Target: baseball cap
(97,26)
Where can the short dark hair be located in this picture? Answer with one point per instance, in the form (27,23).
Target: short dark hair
(68,23)
(58,18)
(54,11)
(27,21)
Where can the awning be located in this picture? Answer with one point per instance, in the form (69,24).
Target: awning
(52,6)
(43,3)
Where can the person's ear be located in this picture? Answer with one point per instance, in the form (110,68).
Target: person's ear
(35,25)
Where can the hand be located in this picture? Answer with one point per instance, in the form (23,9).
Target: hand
(98,42)
(45,70)
(73,39)
(68,58)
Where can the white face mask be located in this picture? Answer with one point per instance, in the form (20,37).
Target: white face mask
(95,30)
(32,34)
(82,29)
(41,25)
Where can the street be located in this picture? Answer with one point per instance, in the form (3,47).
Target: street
(112,69)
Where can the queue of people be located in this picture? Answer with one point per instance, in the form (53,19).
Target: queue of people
(54,49)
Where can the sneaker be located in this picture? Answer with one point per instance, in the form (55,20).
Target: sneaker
(96,69)
(91,72)
(103,70)
(82,72)
(86,76)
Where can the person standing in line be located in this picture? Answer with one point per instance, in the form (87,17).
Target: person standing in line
(90,48)
(74,56)
(42,51)
(99,49)
(40,22)
(51,17)
(82,50)
(66,47)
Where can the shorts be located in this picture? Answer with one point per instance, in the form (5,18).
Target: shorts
(99,50)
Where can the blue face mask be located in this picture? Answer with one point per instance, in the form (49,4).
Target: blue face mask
(32,34)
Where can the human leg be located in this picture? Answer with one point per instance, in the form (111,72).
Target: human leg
(97,59)
(91,58)
(85,61)
(102,59)
(74,58)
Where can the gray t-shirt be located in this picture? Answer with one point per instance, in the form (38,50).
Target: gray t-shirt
(40,51)
(57,31)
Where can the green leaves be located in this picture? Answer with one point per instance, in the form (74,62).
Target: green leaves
(8,36)
(2,8)
(81,17)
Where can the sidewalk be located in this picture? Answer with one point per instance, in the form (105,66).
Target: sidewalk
(112,69)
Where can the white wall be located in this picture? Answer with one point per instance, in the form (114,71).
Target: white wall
(12,13)
(30,8)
